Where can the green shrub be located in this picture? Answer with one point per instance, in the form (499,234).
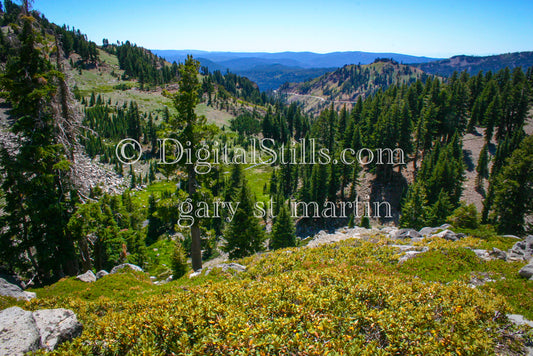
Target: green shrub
(179,262)
(365,222)
(444,265)
(465,216)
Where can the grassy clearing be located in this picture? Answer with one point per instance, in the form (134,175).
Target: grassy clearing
(141,197)
(257,178)
(214,116)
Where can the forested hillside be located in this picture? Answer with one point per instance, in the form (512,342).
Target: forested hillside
(475,64)
(345,85)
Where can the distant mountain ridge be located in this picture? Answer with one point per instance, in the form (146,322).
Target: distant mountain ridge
(298,59)
(474,64)
(271,70)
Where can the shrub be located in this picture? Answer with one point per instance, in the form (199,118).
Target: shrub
(365,222)
(179,261)
(465,216)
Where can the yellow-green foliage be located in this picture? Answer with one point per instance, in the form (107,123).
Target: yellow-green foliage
(348,298)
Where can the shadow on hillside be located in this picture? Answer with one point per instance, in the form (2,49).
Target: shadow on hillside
(470,166)
(391,191)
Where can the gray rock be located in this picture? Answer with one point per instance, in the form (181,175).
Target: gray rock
(522,250)
(526,271)
(87,277)
(234,266)
(445,227)
(10,290)
(124,265)
(427,231)
(18,332)
(497,253)
(195,273)
(403,247)
(447,235)
(56,326)
(101,274)
(512,236)
(23,331)
(408,255)
(407,234)
(519,319)
(483,254)
(30,295)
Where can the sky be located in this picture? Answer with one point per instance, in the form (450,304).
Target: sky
(425,28)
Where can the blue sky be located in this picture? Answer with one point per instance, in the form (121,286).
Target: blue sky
(431,28)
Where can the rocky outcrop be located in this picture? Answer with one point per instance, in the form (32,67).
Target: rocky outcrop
(449,235)
(87,277)
(56,326)
(10,290)
(90,173)
(428,231)
(498,254)
(407,234)
(101,274)
(23,331)
(18,332)
(126,265)
(522,250)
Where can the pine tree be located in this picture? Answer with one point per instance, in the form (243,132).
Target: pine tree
(513,191)
(482,167)
(319,186)
(35,178)
(190,128)
(179,261)
(235,182)
(244,236)
(440,210)
(283,231)
(154,223)
(333,183)
(414,208)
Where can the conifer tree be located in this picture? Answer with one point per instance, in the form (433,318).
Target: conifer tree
(414,208)
(154,223)
(440,210)
(235,182)
(244,236)
(333,183)
(178,261)
(283,231)
(513,190)
(319,186)
(35,178)
(482,167)
(190,128)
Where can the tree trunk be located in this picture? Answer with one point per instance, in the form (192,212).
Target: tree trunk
(196,243)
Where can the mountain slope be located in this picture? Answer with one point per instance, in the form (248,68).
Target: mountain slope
(345,85)
(474,64)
